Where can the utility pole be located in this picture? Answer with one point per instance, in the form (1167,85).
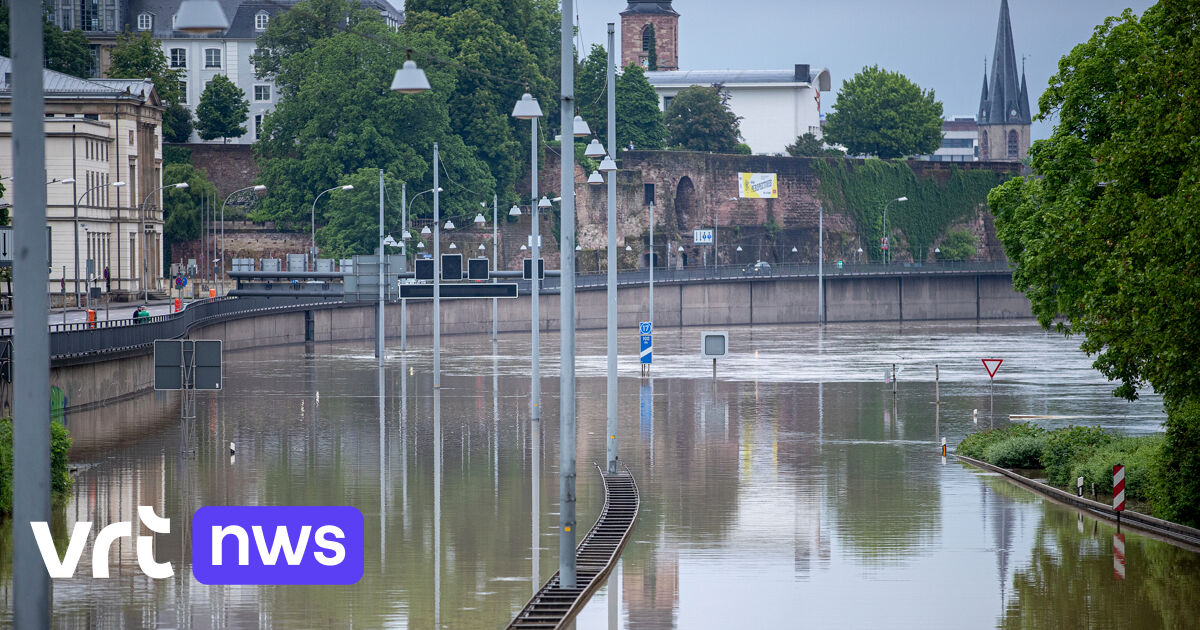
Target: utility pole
(612,261)
(379,319)
(566,298)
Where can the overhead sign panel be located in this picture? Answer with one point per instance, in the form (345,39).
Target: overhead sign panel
(424,269)
(452,270)
(187,364)
(527,269)
(449,291)
(478,269)
(758,186)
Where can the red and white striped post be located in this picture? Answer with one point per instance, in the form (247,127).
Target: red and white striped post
(1118,491)
(1119,555)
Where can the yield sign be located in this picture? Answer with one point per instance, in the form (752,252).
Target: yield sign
(991,365)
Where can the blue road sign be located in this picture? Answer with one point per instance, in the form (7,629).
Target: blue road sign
(647,328)
(647,348)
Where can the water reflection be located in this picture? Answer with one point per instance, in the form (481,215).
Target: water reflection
(778,487)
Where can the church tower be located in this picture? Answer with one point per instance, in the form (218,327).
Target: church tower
(1004,116)
(638,36)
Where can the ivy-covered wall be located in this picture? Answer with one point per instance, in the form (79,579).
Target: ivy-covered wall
(936,201)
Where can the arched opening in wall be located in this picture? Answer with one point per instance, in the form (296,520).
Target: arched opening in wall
(646,38)
(685,204)
(1013,143)
(984,150)
(646,260)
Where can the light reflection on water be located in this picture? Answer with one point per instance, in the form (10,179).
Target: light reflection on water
(795,487)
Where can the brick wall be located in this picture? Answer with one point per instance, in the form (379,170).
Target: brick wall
(229,166)
(666,36)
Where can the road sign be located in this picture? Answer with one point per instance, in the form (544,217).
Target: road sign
(714,345)
(991,365)
(7,246)
(702,237)
(424,269)
(180,282)
(452,267)
(478,269)
(527,268)
(1119,487)
(473,290)
(187,364)
(647,342)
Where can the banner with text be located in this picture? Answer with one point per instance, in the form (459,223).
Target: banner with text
(758,186)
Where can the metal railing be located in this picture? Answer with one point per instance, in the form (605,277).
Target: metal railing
(121,335)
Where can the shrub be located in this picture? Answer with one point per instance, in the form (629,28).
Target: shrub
(1065,447)
(1179,475)
(1016,452)
(1141,457)
(60,477)
(742,148)
(975,444)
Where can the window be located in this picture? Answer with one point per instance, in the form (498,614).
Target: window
(260,21)
(183,95)
(212,57)
(262,93)
(1013,143)
(257,124)
(145,21)
(178,57)
(667,102)
(957,143)
(646,36)
(649,194)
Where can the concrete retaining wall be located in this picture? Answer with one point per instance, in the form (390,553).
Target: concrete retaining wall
(712,304)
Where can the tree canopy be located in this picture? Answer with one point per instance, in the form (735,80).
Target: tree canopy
(882,113)
(177,123)
(808,145)
(699,119)
(140,56)
(639,120)
(222,110)
(182,205)
(65,51)
(1104,231)
(340,118)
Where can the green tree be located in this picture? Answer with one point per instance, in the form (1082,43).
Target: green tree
(882,113)
(652,54)
(140,56)
(1103,232)
(639,120)
(181,222)
(177,123)
(342,118)
(295,30)
(959,244)
(222,111)
(699,119)
(808,145)
(65,51)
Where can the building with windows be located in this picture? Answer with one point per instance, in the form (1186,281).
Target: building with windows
(98,132)
(960,141)
(1004,116)
(775,106)
(199,57)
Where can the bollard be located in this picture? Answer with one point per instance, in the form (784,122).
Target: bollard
(975,416)
(893,378)
(943,447)
(1079,485)
(937,385)
(178,305)
(91,318)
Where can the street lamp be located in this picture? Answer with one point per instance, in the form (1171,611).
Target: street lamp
(258,190)
(145,266)
(593,150)
(312,244)
(425,231)
(449,225)
(410,79)
(595,178)
(528,109)
(887,246)
(71,180)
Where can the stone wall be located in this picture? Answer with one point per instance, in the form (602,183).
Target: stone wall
(229,166)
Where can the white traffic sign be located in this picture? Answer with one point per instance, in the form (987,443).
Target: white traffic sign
(702,237)
(991,365)
(6,254)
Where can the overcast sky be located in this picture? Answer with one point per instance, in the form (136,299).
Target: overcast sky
(939,44)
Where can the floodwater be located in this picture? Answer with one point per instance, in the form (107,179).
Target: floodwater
(795,489)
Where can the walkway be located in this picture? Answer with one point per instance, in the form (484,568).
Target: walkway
(555,607)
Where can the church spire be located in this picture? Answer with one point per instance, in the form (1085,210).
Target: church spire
(983,95)
(1026,115)
(1004,97)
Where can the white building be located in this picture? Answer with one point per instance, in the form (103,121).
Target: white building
(775,106)
(960,141)
(98,132)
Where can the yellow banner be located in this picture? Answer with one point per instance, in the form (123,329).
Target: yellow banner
(758,186)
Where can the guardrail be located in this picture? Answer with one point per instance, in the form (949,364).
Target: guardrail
(121,335)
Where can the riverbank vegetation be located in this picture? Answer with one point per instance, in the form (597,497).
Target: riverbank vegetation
(1155,465)
(60,477)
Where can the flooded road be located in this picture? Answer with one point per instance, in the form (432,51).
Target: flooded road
(796,489)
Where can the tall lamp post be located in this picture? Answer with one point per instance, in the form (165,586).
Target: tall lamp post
(887,246)
(528,109)
(312,242)
(258,190)
(142,229)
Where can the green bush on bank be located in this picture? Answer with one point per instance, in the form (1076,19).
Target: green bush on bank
(1024,451)
(976,444)
(1179,474)
(1141,456)
(60,477)
(1065,447)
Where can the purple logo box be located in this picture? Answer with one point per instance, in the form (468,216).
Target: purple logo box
(297,544)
